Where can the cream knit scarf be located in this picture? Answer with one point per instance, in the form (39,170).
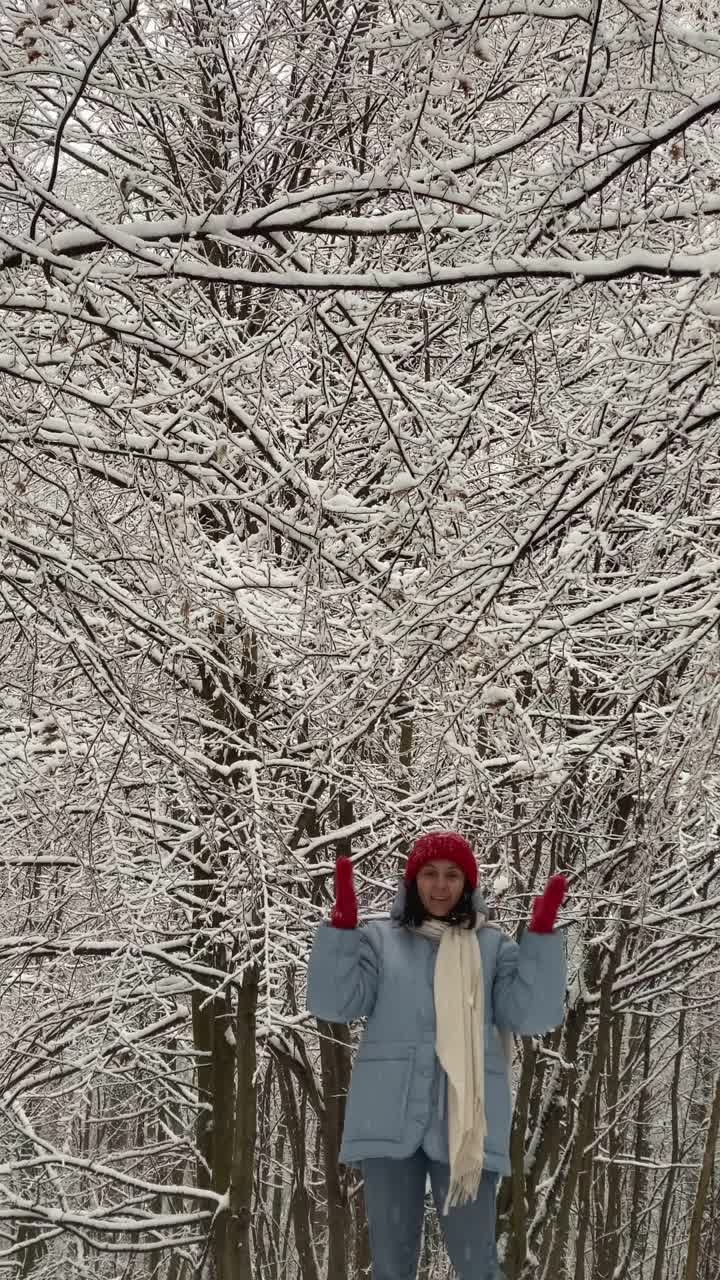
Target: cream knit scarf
(460,1046)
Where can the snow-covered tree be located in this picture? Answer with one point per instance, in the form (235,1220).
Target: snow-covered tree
(359,440)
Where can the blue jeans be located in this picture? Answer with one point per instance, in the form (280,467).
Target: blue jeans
(395,1202)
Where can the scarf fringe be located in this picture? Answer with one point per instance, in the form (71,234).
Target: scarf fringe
(463,1188)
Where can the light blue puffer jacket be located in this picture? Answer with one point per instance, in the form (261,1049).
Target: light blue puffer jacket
(384,972)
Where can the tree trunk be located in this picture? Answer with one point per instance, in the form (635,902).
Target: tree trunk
(610,1221)
(556,1265)
(662,1231)
(234,1252)
(517,1245)
(708,1164)
(202,1024)
(361,1235)
(278,1198)
(335,1067)
(300,1208)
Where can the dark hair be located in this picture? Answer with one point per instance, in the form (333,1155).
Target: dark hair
(463,913)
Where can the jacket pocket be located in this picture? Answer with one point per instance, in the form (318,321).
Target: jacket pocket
(377,1103)
(498,1108)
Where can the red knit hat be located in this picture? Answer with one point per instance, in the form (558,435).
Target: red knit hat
(446,846)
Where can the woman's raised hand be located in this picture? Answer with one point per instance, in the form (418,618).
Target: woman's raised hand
(546,907)
(345,911)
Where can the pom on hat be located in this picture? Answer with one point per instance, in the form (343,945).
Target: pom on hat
(442,846)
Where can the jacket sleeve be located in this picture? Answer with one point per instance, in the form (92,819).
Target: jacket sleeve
(343,974)
(529,983)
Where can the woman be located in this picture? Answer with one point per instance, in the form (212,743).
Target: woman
(443,991)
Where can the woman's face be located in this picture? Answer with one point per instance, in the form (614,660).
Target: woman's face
(440,885)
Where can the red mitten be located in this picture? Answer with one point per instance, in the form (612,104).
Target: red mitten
(545,908)
(345,913)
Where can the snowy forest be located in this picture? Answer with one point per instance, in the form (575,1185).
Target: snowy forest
(359,476)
